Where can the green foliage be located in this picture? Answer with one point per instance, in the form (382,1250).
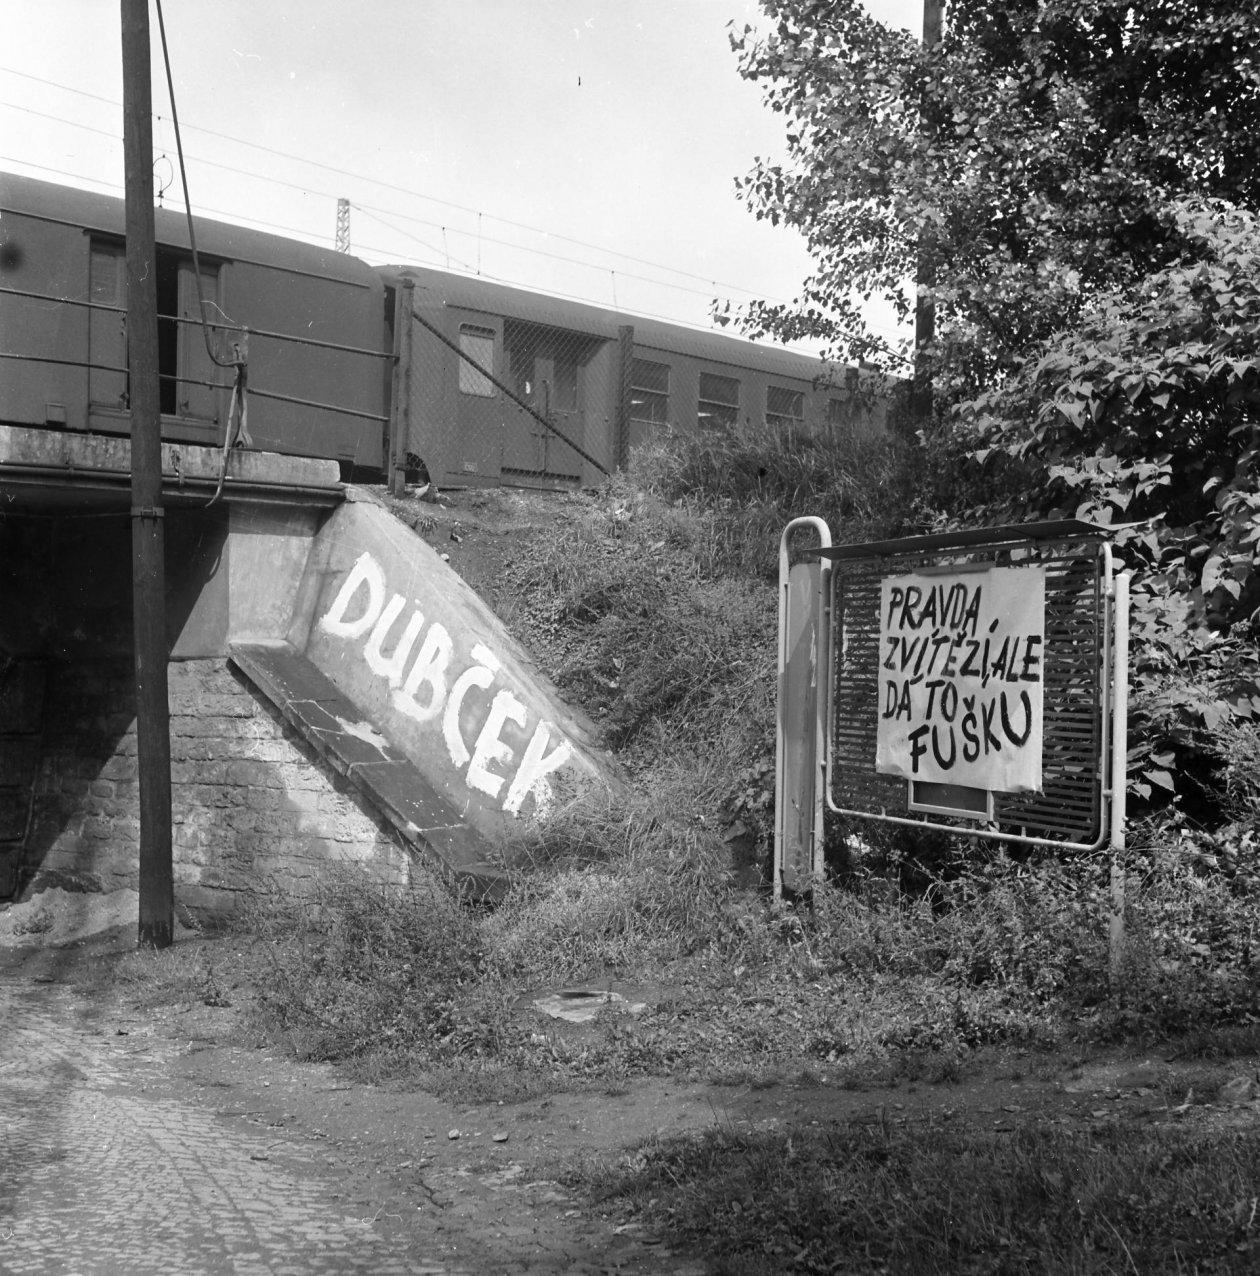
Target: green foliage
(1147,414)
(364,967)
(746,482)
(658,617)
(1014,170)
(632,627)
(1146,417)
(1193,957)
(1071,186)
(612,890)
(931,1197)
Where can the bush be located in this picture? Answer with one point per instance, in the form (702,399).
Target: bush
(364,966)
(746,482)
(611,891)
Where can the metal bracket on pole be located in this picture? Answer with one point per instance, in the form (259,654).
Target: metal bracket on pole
(800,782)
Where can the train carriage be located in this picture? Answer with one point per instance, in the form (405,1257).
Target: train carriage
(512,386)
(501,385)
(308,322)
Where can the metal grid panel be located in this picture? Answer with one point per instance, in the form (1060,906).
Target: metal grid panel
(1069,807)
(506,399)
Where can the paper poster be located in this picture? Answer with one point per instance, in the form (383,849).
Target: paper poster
(961,676)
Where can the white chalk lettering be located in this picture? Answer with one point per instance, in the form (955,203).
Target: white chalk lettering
(366,571)
(428,671)
(391,667)
(536,766)
(490,748)
(431,691)
(478,675)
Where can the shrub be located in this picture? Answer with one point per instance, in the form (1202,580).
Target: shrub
(610,890)
(363,966)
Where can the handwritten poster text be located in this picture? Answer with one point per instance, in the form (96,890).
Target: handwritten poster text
(961,676)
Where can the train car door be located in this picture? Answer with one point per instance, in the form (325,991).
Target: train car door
(190,385)
(474,446)
(545,367)
(194,393)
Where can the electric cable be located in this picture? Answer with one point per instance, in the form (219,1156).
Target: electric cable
(391,186)
(371,211)
(231,435)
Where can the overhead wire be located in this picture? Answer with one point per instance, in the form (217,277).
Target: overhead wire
(383,254)
(375,213)
(237,406)
(402,190)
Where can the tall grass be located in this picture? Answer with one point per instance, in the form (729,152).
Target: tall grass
(938,1198)
(648,604)
(740,486)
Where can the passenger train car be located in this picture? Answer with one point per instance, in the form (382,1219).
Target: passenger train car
(380,369)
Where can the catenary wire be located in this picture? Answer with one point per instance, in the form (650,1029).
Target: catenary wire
(402,190)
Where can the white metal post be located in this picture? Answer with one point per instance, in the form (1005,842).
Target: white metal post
(800,729)
(1119,772)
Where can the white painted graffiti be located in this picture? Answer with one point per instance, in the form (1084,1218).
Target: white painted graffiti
(431,691)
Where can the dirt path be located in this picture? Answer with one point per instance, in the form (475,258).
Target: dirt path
(153,1140)
(136,1141)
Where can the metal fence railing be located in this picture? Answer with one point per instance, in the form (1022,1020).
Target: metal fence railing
(187,374)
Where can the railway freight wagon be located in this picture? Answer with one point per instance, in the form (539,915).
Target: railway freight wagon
(307,322)
(380,369)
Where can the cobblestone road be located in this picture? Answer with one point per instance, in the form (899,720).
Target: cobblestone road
(102,1173)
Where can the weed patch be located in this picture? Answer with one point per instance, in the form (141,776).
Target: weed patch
(931,1198)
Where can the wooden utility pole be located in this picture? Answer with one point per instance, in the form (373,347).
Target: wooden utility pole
(148,579)
(924,309)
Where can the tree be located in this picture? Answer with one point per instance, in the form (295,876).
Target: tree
(1146,417)
(1023,166)
(1075,180)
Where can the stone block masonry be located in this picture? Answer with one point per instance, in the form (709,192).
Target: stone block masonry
(250,803)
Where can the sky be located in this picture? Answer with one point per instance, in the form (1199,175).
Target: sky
(583,148)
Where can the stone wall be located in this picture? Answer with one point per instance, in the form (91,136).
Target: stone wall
(250,805)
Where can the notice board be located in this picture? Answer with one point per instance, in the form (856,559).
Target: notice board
(933,640)
(962,656)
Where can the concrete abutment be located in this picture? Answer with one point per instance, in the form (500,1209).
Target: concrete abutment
(429,737)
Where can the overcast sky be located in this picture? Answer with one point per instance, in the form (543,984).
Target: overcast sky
(578,147)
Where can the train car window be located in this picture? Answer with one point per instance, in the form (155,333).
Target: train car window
(108,275)
(478,345)
(649,392)
(565,370)
(107,327)
(522,351)
(785,408)
(719,400)
(842,405)
(837,417)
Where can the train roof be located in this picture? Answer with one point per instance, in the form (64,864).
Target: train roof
(441,288)
(107,214)
(72,206)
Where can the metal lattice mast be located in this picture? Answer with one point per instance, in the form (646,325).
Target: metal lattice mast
(343,225)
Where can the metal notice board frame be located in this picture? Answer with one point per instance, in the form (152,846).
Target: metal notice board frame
(829,692)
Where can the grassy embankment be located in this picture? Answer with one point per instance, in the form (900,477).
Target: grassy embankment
(651,603)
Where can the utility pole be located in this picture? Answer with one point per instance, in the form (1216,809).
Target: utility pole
(924,309)
(148,576)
